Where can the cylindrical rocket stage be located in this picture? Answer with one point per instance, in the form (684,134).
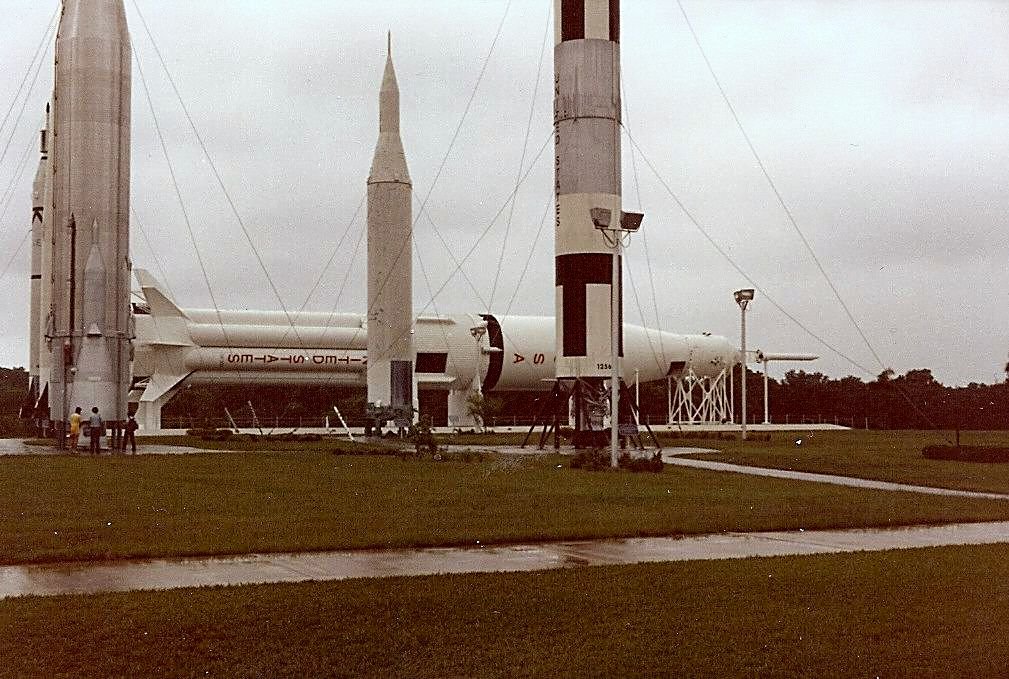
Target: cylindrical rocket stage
(587,129)
(90,308)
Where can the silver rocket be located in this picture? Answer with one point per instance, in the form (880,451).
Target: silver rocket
(35,332)
(587,177)
(90,321)
(390,270)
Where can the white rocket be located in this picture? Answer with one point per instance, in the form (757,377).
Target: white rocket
(89,325)
(587,177)
(176,347)
(386,350)
(390,267)
(40,188)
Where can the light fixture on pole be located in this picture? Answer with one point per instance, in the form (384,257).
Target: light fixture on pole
(630,222)
(743,299)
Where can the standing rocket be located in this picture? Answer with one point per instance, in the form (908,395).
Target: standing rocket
(39,193)
(90,321)
(390,270)
(587,178)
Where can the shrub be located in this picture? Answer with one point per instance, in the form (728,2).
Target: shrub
(967,453)
(652,463)
(423,438)
(593,460)
(211,434)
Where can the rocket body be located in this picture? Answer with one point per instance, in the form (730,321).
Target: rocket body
(39,190)
(90,312)
(43,314)
(391,382)
(587,176)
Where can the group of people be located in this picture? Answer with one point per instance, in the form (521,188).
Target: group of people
(96,429)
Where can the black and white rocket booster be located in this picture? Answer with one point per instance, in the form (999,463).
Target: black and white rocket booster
(587,176)
(89,326)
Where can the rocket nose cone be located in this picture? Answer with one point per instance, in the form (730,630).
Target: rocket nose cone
(95,263)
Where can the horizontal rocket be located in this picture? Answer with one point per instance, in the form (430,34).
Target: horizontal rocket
(176,346)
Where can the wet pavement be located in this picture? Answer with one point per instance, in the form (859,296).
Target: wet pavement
(163,574)
(16,447)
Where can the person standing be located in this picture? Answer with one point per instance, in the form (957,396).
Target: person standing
(75,429)
(130,436)
(95,428)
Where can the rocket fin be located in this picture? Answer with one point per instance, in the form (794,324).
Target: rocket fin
(161,384)
(159,301)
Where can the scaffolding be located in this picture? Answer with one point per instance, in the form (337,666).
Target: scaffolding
(701,400)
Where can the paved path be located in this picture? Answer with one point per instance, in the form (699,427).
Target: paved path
(671,457)
(161,574)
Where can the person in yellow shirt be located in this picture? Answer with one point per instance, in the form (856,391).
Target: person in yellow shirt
(75,429)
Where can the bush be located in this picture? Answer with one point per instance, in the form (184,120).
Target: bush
(423,438)
(641,464)
(210,434)
(992,454)
(593,460)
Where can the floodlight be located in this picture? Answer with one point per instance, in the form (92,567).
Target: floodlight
(631,221)
(601,217)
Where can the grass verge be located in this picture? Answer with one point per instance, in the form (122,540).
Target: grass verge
(76,508)
(915,613)
(882,455)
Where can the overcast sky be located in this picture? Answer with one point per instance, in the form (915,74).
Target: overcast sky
(885,126)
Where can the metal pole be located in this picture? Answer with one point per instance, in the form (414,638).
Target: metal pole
(732,394)
(767,418)
(743,361)
(615,353)
(669,400)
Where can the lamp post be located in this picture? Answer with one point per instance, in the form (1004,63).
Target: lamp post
(630,222)
(743,299)
(767,410)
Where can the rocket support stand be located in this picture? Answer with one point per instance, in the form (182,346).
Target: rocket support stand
(554,410)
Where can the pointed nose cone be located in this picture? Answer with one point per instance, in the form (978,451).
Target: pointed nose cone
(389,164)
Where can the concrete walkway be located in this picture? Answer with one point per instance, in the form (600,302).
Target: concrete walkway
(16,447)
(163,574)
(672,457)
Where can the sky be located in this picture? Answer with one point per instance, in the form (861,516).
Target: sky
(883,125)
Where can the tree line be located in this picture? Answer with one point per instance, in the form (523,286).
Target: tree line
(914,400)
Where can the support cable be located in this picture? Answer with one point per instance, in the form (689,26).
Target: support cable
(532,252)
(17,253)
(448,152)
(921,414)
(725,255)
(15,181)
(154,252)
(434,305)
(789,215)
(644,234)
(522,159)
(182,204)
(777,193)
(24,79)
(504,206)
(28,96)
(217,174)
(329,263)
(637,302)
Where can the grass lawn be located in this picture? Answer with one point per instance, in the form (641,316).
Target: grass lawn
(68,508)
(884,455)
(913,613)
